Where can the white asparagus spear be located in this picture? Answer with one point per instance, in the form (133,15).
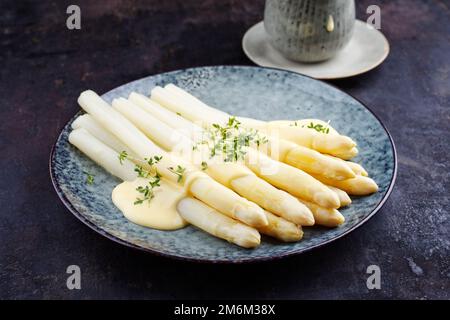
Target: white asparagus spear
(298,156)
(347,154)
(102,154)
(153,128)
(313,161)
(216,224)
(179,123)
(355,167)
(298,132)
(87,122)
(156,130)
(272,199)
(358,186)
(196,106)
(231,230)
(183,126)
(198,183)
(279,174)
(324,216)
(328,144)
(281,229)
(292,180)
(344,198)
(334,144)
(233,175)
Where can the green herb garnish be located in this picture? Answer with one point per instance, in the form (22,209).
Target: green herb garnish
(154,160)
(89,178)
(122,156)
(261,140)
(204,165)
(141,172)
(231,140)
(148,190)
(179,171)
(319,128)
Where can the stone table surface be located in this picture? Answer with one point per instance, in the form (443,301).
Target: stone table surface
(44,66)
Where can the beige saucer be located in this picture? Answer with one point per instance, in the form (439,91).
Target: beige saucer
(367,49)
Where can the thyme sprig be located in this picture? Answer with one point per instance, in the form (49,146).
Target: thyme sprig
(319,127)
(147,191)
(231,141)
(152,175)
(142,172)
(178,171)
(89,177)
(154,160)
(122,156)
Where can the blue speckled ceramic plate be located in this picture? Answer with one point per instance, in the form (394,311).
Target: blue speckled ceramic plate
(262,93)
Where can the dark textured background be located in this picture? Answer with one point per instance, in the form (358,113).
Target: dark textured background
(44,67)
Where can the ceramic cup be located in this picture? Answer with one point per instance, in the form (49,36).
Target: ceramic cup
(309,30)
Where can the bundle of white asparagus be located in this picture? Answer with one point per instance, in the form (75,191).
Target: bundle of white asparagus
(239,177)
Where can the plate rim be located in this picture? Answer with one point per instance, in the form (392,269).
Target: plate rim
(160,253)
(362,71)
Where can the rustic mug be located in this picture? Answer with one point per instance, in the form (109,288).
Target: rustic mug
(309,30)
